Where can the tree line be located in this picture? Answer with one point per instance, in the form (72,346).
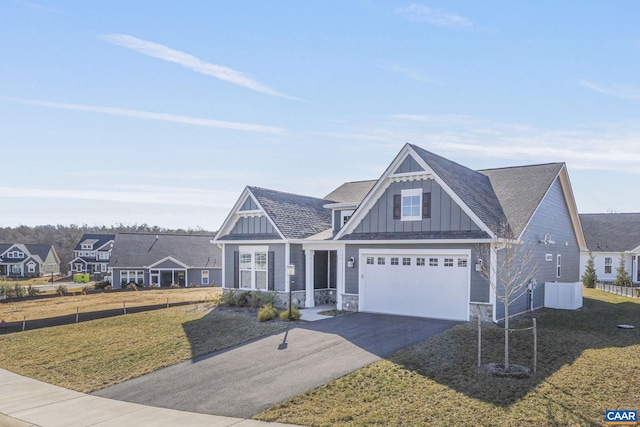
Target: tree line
(65,237)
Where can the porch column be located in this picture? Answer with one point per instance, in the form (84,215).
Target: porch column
(309,276)
(339,278)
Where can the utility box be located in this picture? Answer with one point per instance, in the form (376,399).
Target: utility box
(81,278)
(566,296)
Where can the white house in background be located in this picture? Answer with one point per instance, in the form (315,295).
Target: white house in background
(608,237)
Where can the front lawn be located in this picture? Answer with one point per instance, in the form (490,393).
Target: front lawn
(585,365)
(92,355)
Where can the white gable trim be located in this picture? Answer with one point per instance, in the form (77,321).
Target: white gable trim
(235,214)
(168,258)
(388,177)
(17,247)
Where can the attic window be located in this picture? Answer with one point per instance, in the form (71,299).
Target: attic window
(412,205)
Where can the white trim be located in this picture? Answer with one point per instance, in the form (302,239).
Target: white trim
(167,258)
(385,180)
(343,205)
(250,214)
(309,276)
(493,279)
(411,192)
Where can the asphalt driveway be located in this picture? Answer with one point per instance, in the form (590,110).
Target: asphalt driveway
(249,378)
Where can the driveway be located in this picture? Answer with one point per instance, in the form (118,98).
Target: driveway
(249,378)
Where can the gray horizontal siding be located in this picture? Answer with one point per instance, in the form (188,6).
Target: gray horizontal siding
(551,217)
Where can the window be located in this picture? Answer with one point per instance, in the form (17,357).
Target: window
(77,266)
(381,260)
(394,261)
(103,268)
(204,277)
(31,267)
(15,254)
(448,262)
(608,261)
(345,216)
(87,246)
(558,265)
(369,260)
(131,276)
(411,204)
(462,262)
(420,262)
(103,255)
(253,266)
(406,261)
(433,262)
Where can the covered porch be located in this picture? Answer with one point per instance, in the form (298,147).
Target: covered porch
(324,275)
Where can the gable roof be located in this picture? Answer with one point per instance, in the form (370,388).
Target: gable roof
(38,251)
(138,250)
(98,240)
(474,188)
(520,190)
(295,216)
(351,192)
(612,232)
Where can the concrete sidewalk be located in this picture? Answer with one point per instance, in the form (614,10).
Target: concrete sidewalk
(26,402)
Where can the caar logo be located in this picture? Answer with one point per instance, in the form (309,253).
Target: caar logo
(620,417)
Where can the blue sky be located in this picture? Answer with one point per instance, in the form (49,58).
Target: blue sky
(162,112)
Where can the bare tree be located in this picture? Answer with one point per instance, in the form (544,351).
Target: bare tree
(508,264)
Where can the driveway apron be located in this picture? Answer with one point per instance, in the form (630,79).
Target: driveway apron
(247,379)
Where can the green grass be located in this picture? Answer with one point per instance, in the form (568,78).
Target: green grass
(585,365)
(92,355)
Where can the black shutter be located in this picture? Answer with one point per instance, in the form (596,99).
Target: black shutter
(397,206)
(426,205)
(270,270)
(236,269)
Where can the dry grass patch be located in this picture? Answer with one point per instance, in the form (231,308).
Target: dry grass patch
(585,365)
(92,355)
(44,308)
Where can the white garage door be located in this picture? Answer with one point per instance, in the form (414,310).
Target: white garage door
(424,284)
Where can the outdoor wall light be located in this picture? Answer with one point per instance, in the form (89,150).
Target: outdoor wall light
(351,262)
(478,264)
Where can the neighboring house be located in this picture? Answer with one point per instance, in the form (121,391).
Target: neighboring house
(92,254)
(609,236)
(407,243)
(163,260)
(28,260)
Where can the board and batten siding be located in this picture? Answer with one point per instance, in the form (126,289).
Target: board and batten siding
(552,217)
(409,165)
(249,205)
(253,225)
(479,291)
(446,215)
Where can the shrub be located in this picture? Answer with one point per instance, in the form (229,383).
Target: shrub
(102,284)
(108,288)
(86,289)
(228,299)
(32,292)
(175,285)
(267,312)
(62,290)
(242,298)
(132,287)
(19,290)
(193,285)
(295,314)
(589,278)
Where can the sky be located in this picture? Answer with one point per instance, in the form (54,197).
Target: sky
(160,113)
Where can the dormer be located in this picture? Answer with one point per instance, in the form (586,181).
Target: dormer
(340,213)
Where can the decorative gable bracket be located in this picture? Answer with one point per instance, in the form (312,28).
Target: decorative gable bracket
(409,176)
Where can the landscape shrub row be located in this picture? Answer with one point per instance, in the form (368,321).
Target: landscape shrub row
(265,301)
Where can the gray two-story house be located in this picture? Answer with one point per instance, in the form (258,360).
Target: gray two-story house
(408,243)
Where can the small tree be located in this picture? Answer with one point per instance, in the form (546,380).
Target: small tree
(622,276)
(589,278)
(509,276)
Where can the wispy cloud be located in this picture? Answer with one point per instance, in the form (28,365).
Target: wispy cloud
(164,195)
(248,127)
(409,72)
(620,91)
(193,63)
(419,13)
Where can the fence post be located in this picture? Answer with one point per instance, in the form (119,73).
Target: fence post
(167,302)
(535,345)
(77,311)
(124,308)
(479,340)
(24,322)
